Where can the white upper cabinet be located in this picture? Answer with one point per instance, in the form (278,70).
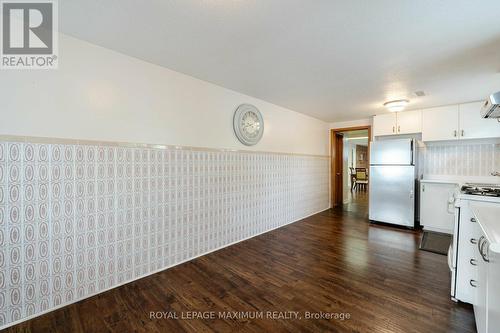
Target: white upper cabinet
(440,123)
(409,122)
(455,122)
(452,122)
(472,126)
(397,123)
(384,124)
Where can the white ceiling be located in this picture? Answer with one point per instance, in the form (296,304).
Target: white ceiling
(331,59)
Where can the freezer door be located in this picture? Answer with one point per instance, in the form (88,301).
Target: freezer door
(392,152)
(392,195)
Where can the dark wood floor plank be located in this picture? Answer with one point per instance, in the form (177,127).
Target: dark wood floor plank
(334,261)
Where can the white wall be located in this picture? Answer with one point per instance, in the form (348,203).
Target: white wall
(462,161)
(351,123)
(98,94)
(120,213)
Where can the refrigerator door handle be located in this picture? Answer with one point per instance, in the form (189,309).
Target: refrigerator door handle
(412,152)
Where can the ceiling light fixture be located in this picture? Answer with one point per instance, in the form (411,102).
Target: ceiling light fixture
(396,106)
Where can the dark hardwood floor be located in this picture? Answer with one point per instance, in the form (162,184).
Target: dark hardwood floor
(332,262)
(357,202)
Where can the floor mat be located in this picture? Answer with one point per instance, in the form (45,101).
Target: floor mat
(435,242)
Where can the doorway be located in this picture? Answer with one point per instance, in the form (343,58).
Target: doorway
(350,168)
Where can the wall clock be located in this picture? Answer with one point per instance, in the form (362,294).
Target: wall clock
(248,124)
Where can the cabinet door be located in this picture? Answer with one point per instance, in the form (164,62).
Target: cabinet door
(384,124)
(434,215)
(472,126)
(480,306)
(440,123)
(409,122)
(467,256)
(493,292)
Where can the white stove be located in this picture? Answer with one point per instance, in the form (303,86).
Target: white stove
(483,190)
(460,255)
(479,192)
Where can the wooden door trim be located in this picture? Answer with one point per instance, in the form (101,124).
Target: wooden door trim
(338,141)
(333,156)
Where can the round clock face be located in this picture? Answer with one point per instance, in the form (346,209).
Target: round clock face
(248,124)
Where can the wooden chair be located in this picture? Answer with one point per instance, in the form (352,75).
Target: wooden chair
(361,179)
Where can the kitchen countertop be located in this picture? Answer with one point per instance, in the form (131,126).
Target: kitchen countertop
(488,217)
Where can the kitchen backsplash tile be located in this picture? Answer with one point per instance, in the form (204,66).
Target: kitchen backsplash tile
(76,220)
(464,160)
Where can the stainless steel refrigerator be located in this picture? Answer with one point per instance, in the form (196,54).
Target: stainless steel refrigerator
(392,182)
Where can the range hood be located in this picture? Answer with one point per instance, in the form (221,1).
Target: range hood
(491,108)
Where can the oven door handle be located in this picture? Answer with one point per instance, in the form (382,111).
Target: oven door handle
(450,257)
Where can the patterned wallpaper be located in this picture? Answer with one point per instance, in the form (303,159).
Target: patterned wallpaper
(77,219)
(469,159)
